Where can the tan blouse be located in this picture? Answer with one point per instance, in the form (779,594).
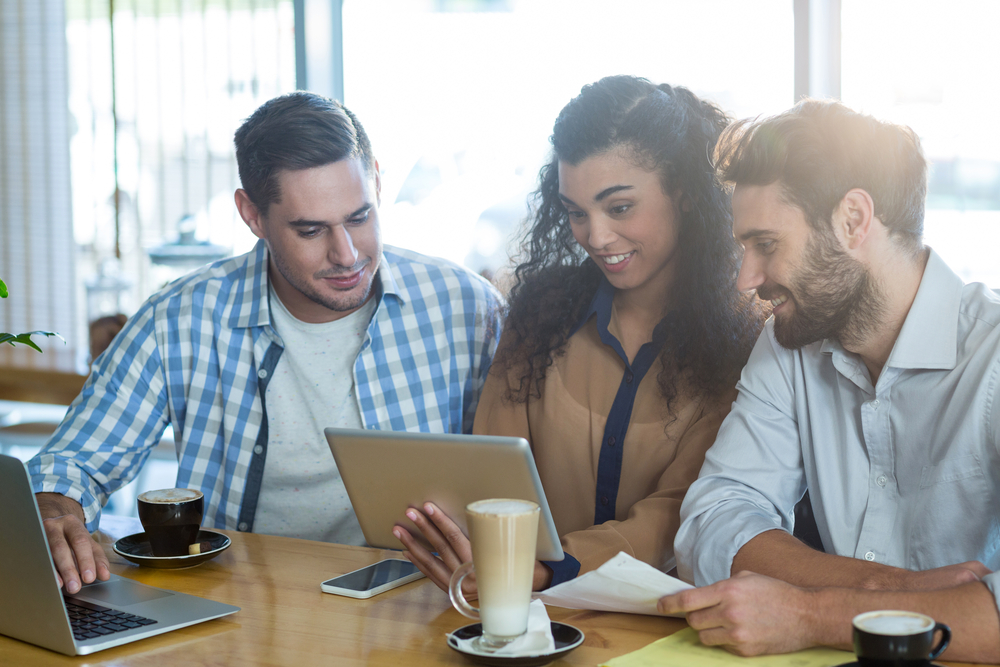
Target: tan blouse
(566,429)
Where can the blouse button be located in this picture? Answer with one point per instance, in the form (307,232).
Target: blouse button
(604,500)
(611,441)
(628,378)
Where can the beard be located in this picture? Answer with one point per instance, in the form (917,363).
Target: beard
(835,296)
(348,301)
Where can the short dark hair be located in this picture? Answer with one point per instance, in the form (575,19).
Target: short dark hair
(820,150)
(299,130)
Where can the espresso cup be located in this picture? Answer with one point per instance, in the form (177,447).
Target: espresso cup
(503,533)
(897,638)
(171,519)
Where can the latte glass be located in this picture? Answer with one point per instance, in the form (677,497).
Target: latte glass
(503,533)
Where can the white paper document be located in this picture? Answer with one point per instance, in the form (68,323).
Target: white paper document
(622,584)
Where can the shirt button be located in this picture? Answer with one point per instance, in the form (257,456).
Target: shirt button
(243,526)
(258,450)
(869,556)
(628,378)
(611,441)
(881,480)
(262,374)
(875,404)
(604,500)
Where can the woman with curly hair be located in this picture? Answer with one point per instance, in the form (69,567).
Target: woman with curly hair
(626,333)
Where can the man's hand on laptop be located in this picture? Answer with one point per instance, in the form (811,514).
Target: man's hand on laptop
(77,556)
(452,546)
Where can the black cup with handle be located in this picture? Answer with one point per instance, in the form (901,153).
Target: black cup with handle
(171,519)
(891,638)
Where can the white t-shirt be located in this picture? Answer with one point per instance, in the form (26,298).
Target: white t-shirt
(312,388)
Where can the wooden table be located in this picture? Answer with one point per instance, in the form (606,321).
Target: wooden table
(286,620)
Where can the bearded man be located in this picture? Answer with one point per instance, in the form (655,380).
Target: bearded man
(873,387)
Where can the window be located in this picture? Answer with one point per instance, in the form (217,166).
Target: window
(933,66)
(459,97)
(157,122)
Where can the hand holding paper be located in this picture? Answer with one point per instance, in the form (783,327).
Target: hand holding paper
(622,584)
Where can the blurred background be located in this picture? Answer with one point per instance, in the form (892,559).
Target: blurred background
(117,169)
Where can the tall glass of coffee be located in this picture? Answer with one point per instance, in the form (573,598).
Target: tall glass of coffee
(503,533)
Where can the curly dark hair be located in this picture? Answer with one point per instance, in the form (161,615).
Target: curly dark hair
(711,327)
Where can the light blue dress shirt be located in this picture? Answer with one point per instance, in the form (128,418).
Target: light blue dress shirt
(905,473)
(200,353)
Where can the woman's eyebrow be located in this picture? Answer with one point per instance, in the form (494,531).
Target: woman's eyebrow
(610,191)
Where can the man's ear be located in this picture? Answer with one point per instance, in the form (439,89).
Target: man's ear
(854,218)
(378,184)
(250,213)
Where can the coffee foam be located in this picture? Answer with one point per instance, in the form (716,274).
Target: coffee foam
(169,496)
(500,506)
(895,623)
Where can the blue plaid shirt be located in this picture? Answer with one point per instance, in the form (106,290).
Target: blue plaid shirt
(199,355)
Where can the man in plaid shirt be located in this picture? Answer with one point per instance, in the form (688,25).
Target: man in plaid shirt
(249,358)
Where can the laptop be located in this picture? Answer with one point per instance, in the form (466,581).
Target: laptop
(385,472)
(104,614)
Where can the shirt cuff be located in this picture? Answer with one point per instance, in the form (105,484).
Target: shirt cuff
(73,487)
(562,570)
(992,581)
(705,549)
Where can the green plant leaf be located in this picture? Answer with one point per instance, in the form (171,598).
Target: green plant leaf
(25,338)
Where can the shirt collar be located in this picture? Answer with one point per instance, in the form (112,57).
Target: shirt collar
(388,281)
(601,306)
(923,342)
(249,305)
(929,337)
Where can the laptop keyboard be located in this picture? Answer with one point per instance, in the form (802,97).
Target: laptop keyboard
(92,620)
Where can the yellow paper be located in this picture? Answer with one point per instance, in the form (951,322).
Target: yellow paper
(682,649)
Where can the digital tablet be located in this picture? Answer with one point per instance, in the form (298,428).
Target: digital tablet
(387,472)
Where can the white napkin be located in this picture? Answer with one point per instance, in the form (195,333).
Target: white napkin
(622,584)
(536,641)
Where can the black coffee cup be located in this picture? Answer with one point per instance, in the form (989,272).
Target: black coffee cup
(171,519)
(891,638)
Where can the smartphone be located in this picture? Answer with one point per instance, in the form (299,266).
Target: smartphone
(373,579)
